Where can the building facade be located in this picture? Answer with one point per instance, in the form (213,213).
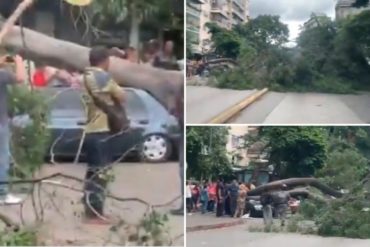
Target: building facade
(344,8)
(193,15)
(225,13)
(239,154)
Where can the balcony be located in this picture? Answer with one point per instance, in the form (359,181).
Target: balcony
(218,8)
(239,18)
(238,12)
(240,3)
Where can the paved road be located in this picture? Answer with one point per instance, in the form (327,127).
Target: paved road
(279,108)
(204,103)
(154,183)
(209,219)
(307,108)
(240,237)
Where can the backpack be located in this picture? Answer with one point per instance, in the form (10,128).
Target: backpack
(116,113)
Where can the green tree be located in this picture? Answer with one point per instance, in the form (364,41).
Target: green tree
(257,45)
(296,151)
(226,42)
(264,31)
(135,11)
(344,168)
(317,44)
(206,152)
(360,3)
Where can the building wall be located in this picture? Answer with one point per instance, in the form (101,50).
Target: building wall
(204,36)
(193,16)
(344,9)
(225,13)
(235,142)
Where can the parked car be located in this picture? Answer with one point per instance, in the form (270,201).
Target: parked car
(153,136)
(254,207)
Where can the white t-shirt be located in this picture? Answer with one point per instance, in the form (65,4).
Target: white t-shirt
(188,191)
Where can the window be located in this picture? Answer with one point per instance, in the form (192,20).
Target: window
(135,105)
(234,141)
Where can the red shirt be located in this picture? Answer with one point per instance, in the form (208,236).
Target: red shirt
(39,79)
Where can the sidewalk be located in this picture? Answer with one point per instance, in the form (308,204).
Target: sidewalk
(202,222)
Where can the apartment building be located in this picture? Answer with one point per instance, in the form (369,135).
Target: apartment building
(344,8)
(193,14)
(239,154)
(225,13)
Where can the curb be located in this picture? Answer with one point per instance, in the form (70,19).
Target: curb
(232,111)
(214,226)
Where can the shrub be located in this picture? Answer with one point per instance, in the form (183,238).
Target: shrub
(30,141)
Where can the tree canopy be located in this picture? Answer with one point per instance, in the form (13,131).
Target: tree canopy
(296,151)
(329,56)
(206,152)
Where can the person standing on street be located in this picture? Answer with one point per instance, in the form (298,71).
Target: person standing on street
(266,202)
(7,77)
(212,195)
(221,196)
(168,52)
(189,202)
(233,192)
(242,196)
(280,201)
(195,193)
(204,198)
(98,84)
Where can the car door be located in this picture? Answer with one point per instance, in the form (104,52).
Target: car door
(139,120)
(67,114)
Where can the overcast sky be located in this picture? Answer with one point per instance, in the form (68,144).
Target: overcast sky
(292,12)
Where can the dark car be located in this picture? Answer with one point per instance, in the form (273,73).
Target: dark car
(153,135)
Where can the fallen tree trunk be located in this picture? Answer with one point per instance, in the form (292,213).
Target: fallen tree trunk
(292,182)
(163,85)
(304,192)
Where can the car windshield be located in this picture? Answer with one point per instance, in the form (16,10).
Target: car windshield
(71,101)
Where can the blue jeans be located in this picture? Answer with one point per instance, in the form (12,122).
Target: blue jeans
(204,207)
(4,157)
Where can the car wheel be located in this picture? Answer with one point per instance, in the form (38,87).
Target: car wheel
(156,148)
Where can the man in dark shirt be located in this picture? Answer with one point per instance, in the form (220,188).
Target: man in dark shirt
(233,192)
(280,201)
(221,196)
(6,78)
(98,83)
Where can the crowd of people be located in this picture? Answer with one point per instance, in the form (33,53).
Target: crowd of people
(230,199)
(222,198)
(196,68)
(40,75)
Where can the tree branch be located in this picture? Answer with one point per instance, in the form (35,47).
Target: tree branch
(293,182)
(10,22)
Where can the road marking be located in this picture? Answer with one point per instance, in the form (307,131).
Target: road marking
(229,113)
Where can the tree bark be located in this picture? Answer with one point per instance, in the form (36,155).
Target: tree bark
(296,192)
(163,85)
(14,17)
(292,182)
